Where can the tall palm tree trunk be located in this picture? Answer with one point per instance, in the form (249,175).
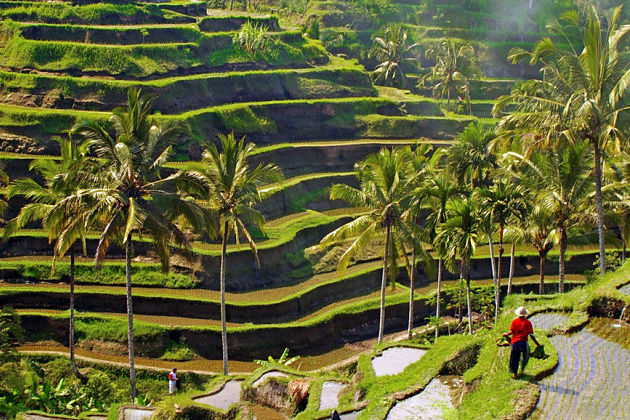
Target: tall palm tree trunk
(623,237)
(600,210)
(491,249)
(71,321)
(497,290)
(511,276)
(561,262)
(459,293)
(381,319)
(541,286)
(437,297)
(132,367)
(469,303)
(412,279)
(448,97)
(224,343)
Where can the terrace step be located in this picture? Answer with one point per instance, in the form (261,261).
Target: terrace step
(111,34)
(480,89)
(295,159)
(492,56)
(303,300)
(173,94)
(285,236)
(325,332)
(304,192)
(329,155)
(211,52)
(262,122)
(103,13)
(139,34)
(227,22)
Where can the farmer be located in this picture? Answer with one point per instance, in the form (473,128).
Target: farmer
(172,381)
(520,330)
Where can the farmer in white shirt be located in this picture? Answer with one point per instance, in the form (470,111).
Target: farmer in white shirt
(172,381)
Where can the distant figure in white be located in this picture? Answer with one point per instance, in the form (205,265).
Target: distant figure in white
(172,381)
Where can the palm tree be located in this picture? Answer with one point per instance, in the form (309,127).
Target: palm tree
(4,181)
(232,189)
(581,94)
(459,234)
(393,50)
(424,161)
(437,190)
(471,161)
(454,65)
(501,203)
(385,192)
(126,192)
(560,180)
(617,192)
(539,231)
(41,208)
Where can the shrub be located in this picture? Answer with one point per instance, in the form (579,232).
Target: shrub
(313,29)
(11,334)
(294,6)
(252,37)
(179,351)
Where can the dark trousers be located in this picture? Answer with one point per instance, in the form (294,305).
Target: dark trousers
(518,348)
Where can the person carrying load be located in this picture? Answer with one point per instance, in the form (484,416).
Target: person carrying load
(520,330)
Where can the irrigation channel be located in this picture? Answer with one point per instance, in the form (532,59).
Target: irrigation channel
(591,380)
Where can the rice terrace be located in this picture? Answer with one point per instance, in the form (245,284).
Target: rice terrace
(314,209)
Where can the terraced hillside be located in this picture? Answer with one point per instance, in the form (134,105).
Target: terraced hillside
(309,105)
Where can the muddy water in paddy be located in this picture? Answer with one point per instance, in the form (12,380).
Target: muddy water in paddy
(230,394)
(137,414)
(429,404)
(591,381)
(394,360)
(350,416)
(625,289)
(548,320)
(329,397)
(268,375)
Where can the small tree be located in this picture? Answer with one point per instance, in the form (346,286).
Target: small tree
(454,65)
(252,37)
(393,50)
